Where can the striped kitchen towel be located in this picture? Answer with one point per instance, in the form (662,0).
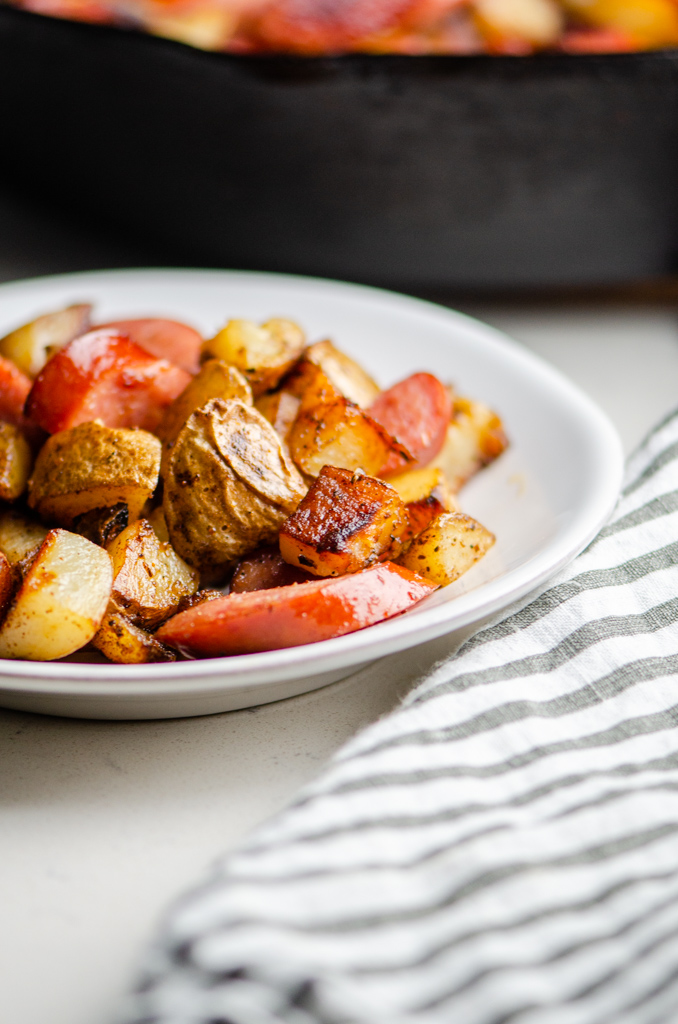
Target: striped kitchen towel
(503,847)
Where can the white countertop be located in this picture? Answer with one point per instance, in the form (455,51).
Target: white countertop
(103,823)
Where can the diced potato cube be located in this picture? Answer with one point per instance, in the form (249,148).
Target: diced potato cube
(16,462)
(447,548)
(19,534)
(30,346)
(93,466)
(263,354)
(121,641)
(332,431)
(216,379)
(475,437)
(150,578)
(61,602)
(346,522)
(347,376)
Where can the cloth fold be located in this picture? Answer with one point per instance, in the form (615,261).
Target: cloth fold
(502,847)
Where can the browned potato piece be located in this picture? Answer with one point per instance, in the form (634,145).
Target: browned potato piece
(102,525)
(447,548)
(157,520)
(475,437)
(418,484)
(149,577)
(121,641)
(426,495)
(30,346)
(8,581)
(19,534)
(280,409)
(216,380)
(331,431)
(61,602)
(346,522)
(263,354)
(536,23)
(228,487)
(347,376)
(16,462)
(93,466)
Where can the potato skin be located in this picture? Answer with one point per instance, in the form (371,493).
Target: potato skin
(228,486)
(93,466)
(346,522)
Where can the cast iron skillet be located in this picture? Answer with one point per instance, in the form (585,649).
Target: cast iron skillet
(414,172)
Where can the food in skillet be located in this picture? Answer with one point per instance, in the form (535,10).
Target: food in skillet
(142,467)
(312,27)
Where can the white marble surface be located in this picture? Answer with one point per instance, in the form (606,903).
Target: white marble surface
(102,823)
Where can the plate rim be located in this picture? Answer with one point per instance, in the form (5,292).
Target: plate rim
(72,680)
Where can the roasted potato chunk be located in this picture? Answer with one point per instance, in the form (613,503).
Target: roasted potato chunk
(347,376)
(475,437)
(149,577)
(16,462)
(120,640)
(61,602)
(157,520)
(263,354)
(92,466)
(9,580)
(19,534)
(30,346)
(216,380)
(536,23)
(447,548)
(332,431)
(346,522)
(228,487)
(426,495)
(280,409)
(418,484)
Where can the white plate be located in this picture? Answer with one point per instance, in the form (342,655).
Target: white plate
(545,498)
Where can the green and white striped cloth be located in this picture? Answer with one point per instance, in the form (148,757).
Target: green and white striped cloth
(503,847)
